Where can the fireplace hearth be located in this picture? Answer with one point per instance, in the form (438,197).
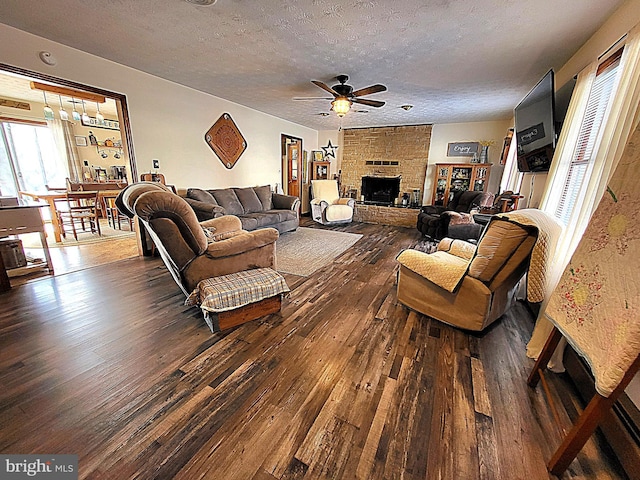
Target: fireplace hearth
(380,190)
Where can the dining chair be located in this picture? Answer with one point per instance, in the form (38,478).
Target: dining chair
(114,216)
(78,209)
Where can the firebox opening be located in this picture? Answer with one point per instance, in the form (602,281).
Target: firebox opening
(380,190)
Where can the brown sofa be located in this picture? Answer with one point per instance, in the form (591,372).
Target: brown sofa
(190,252)
(256,207)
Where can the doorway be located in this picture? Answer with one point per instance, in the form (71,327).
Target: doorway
(292,165)
(33,155)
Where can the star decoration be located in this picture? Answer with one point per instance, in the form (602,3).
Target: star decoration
(329,150)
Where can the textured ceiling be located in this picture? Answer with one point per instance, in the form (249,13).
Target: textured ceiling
(453,60)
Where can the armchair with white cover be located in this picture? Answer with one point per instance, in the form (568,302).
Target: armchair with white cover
(327,207)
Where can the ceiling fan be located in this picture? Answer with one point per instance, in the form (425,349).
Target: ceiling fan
(344,95)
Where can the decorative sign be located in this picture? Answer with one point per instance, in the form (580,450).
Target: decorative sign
(226,141)
(106,123)
(6,102)
(531,134)
(463,149)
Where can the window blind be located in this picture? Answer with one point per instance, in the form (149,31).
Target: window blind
(582,159)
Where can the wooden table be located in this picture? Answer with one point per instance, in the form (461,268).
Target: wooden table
(19,219)
(51,197)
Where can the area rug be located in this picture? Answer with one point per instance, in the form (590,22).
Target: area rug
(84,238)
(308,249)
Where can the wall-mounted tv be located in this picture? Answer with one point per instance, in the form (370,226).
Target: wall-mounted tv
(535,127)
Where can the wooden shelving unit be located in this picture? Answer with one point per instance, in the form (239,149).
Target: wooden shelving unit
(320,170)
(453,177)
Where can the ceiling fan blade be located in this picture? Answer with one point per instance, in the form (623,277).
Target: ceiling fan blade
(312,98)
(364,101)
(369,90)
(324,86)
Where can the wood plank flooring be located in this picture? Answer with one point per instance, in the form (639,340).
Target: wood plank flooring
(345,383)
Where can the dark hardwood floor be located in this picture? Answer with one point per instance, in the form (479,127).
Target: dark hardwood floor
(345,383)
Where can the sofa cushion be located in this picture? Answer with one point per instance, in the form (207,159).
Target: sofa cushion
(284,215)
(227,199)
(266,196)
(201,195)
(249,200)
(248,222)
(265,219)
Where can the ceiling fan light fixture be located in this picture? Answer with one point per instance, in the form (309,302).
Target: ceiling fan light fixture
(341,106)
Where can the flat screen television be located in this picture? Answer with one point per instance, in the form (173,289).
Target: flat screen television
(536,127)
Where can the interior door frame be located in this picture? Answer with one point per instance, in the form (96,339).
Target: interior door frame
(125,124)
(285,141)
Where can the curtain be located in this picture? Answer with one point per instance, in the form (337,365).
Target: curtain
(67,150)
(511,177)
(616,129)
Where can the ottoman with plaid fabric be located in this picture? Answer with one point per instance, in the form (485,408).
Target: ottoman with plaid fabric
(230,300)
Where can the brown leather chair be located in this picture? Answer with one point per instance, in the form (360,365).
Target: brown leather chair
(190,252)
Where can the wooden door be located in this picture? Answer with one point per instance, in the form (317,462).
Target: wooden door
(292,165)
(293,169)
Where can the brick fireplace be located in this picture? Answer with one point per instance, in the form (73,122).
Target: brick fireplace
(388,152)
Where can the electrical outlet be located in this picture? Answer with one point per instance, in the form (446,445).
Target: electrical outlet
(156,163)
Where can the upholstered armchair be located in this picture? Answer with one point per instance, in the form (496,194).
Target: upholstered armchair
(192,250)
(326,205)
(471,286)
(433,220)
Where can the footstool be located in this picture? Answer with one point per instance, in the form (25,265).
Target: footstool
(231,300)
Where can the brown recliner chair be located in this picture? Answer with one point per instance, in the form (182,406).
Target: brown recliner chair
(471,286)
(189,253)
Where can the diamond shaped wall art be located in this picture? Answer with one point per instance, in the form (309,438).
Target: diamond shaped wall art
(226,141)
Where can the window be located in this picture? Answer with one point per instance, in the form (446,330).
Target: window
(28,158)
(581,163)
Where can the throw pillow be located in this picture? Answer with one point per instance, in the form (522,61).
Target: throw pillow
(228,199)
(201,195)
(249,200)
(266,196)
(456,218)
(209,232)
(212,236)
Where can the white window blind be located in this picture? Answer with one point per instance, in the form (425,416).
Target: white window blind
(581,163)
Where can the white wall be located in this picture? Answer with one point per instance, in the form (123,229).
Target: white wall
(168,120)
(443,134)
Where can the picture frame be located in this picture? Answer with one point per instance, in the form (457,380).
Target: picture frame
(463,149)
(80,141)
(318,156)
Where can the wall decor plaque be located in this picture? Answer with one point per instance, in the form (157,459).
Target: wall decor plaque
(462,149)
(226,141)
